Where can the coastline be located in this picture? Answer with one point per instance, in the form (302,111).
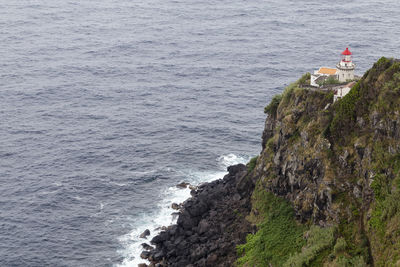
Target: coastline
(206,225)
(165,215)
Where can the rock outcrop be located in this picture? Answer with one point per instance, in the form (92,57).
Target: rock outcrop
(211,224)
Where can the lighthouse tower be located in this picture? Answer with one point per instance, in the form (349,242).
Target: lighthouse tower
(345,67)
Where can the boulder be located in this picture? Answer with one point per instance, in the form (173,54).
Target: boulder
(175,206)
(182,185)
(203,227)
(161,237)
(147,246)
(145,234)
(145,254)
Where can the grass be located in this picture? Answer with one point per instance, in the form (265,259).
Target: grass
(278,234)
(319,240)
(273,105)
(251,164)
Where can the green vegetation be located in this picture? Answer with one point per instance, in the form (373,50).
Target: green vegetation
(318,240)
(288,92)
(331,80)
(385,216)
(278,236)
(251,164)
(273,105)
(345,111)
(383,61)
(305,79)
(353,262)
(340,246)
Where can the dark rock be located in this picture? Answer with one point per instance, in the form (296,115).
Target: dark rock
(193,239)
(175,206)
(193,193)
(211,260)
(161,237)
(158,256)
(198,209)
(147,246)
(142,265)
(182,185)
(173,229)
(145,254)
(175,215)
(203,227)
(162,228)
(145,234)
(192,187)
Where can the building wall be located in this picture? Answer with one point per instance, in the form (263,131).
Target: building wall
(314,77)
(345,75)
(341,92)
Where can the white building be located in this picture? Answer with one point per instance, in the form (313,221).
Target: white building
(341,91)
(322,74)
(346,67)
(344,71)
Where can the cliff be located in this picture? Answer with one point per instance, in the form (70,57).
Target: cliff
(324,190)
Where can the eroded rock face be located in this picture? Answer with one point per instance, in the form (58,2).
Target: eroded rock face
(210,225)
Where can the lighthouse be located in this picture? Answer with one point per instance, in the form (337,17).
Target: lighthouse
(345,67)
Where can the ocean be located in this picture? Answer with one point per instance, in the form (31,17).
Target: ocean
(106,105)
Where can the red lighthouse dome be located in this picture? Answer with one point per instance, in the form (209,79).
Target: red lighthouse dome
(346,52)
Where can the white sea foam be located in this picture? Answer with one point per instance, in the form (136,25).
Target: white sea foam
(232,159)
(162,217)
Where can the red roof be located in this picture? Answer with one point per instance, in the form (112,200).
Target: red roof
(346,52)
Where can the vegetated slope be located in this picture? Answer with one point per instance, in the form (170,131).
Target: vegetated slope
(327,182)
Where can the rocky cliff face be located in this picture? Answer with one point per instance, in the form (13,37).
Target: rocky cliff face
(324,191)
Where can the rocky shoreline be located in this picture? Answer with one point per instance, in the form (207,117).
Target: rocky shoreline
(210,225)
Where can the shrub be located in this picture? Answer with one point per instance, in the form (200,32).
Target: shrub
(357,261)
(305,79)
(273,105)
(340,246)
(288,92)
(330,80)
(319,239)
(346,110)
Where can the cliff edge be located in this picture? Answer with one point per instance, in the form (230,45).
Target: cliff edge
(324,190)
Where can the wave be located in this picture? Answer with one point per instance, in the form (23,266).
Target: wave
(163,213)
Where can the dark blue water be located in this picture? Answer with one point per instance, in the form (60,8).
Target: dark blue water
(106,105)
